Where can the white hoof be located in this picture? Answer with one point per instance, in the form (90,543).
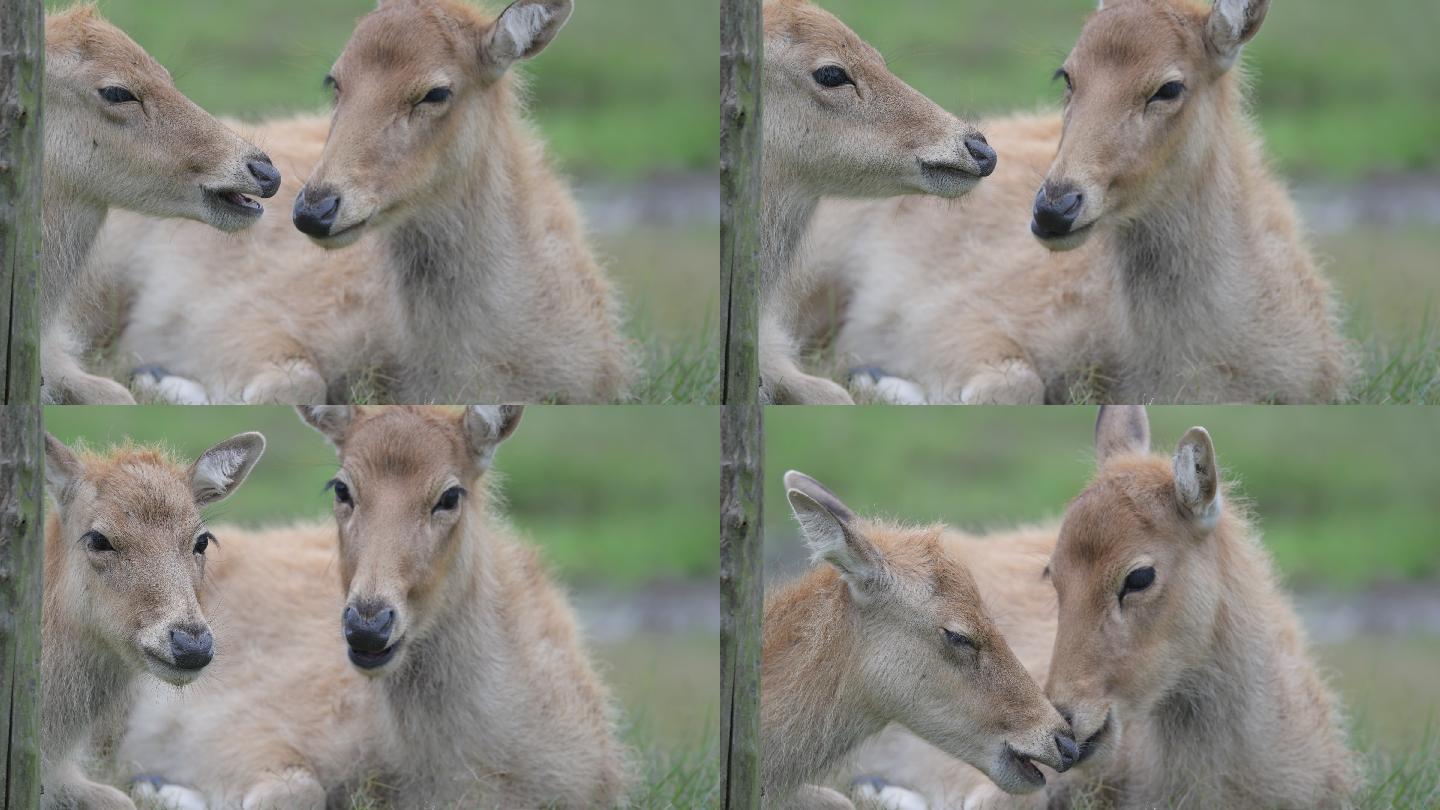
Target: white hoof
(156,385)
(166,797)
(879,793)
(886,389)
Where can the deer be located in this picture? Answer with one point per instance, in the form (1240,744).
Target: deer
(119,135)
(837,122)
(1177,657)
(427,653)
(432,247)
(888,628)
(125,557)
(1160,260)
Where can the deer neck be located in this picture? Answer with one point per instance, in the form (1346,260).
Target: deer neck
(813,712)
(786,208)
(69,223)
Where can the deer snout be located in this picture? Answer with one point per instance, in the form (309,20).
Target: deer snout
(369,630)
(984,155)
(316,211)
(1069,751)
(1092,729)
(191,647)
(266,175)
(1056,209)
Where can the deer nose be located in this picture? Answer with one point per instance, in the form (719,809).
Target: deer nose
(316,217)
(191,647)
(1069,751)
(1055,215)
(265,174)
(983,154)
(367,628)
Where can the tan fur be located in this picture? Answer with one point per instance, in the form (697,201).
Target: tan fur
(490,700)
(159,156)
(867,140)
(1197,691)
(1189,278)
(109,612)
(860,643)
(458,267)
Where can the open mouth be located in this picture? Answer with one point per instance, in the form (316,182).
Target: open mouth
(234,201)
(1025,767)
(372,660)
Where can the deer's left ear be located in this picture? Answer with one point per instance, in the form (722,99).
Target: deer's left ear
(222,469)
(1231,24)
(521,31)
(1197,478)
(486,426)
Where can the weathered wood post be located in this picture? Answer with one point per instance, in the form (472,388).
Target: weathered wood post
(22,53)
(741,586)
(20,590)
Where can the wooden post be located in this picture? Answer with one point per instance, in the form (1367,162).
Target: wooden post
(741,53)
(20,591)
(22,54)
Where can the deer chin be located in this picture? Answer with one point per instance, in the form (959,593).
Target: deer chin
(1068,241)
(343,238)
(945,180)
(161,667)
(378,663)
(1015,772)
(229,209)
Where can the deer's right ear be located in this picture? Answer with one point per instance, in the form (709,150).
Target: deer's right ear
(223,468)
(486,426)
(522,30)
(333,421)
(1231,24)
(829,529)
(62,467)
(1121,429)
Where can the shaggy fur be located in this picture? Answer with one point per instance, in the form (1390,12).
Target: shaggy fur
(841,141)
(491,700)
(159,160)
(108,613)
(458,268)
(1187,277)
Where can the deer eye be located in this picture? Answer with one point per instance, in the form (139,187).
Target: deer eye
(342,492)
(959,640)
(1168,91)
(1138,580)
(449,500)
(117,95)
(203,542)
(833,76)
(95,541)
(438,95)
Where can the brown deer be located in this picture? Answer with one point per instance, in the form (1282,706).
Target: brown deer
(446,670)
(1178,659)
(432,244)
(1161,260)
(837,122)
(891,629)
(124,559)
(119,135)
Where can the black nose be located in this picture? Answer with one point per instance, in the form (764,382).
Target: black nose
(1055,211)
(984,156)
(367,627)
(1069,751)
(191,647)
(265,174)
(315,212)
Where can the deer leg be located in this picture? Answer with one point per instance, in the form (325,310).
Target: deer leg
(1005,382)
(73,790)
(289,382)
(814,797)
(66,383)
(783,380)
(293,789)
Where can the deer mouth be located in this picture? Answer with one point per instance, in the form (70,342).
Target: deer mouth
(1024,767)
(1095,741)
(947,179)
(234,201)
(370,660)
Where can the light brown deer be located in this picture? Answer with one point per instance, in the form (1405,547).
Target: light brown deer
(119,135)
(460,679)
(1178,659)
(891,629)
(1162,260)
(124,560)
(435,243)
(837,122)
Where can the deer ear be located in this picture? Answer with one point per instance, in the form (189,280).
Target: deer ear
(1231,24)
(62,467)
(1197,478)
(521,31)
(1121,429)
(829,529)
(222,469)
(486,426)
(333,421)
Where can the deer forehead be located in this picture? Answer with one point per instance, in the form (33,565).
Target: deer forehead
(92,45)
(143,498)
(1126,510)
(410,41)
(406,444)
(814,31)
(1140,38)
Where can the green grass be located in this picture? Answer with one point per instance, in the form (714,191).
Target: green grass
(616,497)
(1344,496)
(1328,77)
(628,88)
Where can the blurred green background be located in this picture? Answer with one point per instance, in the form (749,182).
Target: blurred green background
(621,501)
(626,97)
(1347,499)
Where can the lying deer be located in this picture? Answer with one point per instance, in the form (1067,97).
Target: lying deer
(837,122)
(891,629)
(432,244)
(124,559)
(119,135)
(456,676)
(1178,659)
(1161,259)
